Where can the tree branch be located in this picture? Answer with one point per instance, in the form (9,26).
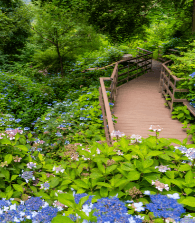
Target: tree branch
(43,37)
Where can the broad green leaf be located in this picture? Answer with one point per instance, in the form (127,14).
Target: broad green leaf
(155,153)
(34,189)
(5,173)
(189,177)
(128,157)
(22,147)
(165,156)
(188,190)
(8,158)
(95,175)
(67,196)
(5,141)
(190,201)
(66,202)
(104,192)
(135,175)
(81,183)
(82,214)
(104,184)
(175,141)
(17,136)
(62,219)
(65,182)
(18,187)
(123,143)
(117,158)
(121,182)
(177,183)
(185,167)
(109,169)
(54,182)
(147,163)
(101,167)
(42,195)
(9,194)
(127,167)
(83,200)
(29,135)
(170,174)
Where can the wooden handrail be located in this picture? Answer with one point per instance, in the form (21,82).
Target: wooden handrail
(113,88)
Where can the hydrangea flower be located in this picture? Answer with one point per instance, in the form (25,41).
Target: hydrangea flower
(58,169)
(174,196)
(160,186)
(31,165)
(27,175)
(165,207)
(45,186)
(162,168)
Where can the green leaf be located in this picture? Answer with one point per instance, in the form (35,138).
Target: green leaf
(9,194)
(83,200)
(170,174)
(8,158)
(101,167)
(165,156)
(185,167)
(190,201)
(22,147)
(104,192)
(111,168)
(147,163)
(66,202)
(176,182)
(95,175)
(5,173)
(18,187)
(54,182)
(104,184)
(189,177)
(62,219)
(65,182)
(5,141)
(13,177)
(128,157)
(42,195)
(29,135)
(81,183)
(188,190)
(135,175)
(34,189)
(121,182)
(175,141)
(127,166)
(82,214)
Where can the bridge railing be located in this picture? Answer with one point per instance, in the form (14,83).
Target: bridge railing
(143,62)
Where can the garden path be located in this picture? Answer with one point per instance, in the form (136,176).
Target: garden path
(139,105)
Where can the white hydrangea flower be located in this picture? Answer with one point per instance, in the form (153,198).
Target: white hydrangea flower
(174,196)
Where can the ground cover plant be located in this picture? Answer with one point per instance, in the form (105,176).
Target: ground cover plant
(55,164)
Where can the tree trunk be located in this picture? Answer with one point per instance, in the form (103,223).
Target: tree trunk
(193,17)
(60,58)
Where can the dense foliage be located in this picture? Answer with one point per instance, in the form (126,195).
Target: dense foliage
(55,164)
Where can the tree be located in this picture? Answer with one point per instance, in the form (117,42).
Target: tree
(61,28)
(14,26)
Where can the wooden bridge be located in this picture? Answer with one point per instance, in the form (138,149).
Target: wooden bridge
(139,104)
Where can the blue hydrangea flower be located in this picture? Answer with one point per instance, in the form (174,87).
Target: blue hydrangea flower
(162,206)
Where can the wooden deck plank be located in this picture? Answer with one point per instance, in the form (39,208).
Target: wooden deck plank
(139,105)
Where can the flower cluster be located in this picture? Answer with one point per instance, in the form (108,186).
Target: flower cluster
(27,175)
(34,209)
(106,210)
(12,133)
(165,207)
(160,186)
(190,153)
(162,168)
(136,137)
